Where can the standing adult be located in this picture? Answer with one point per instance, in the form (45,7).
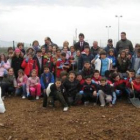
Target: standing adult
(95,48)
(81,43)
(110,46)
(48,42)
(123,44)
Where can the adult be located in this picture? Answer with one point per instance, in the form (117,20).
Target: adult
(48,42)
(110,46)
(35,45)
(123,44)
(85,56)
(95,48)
(81,43)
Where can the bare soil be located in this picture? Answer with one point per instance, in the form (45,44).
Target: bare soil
(27,120)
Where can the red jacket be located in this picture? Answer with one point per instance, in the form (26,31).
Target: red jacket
(119,83)
(29,66)
(136,85)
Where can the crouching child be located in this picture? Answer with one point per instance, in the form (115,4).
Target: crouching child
(105,93)
(56,93)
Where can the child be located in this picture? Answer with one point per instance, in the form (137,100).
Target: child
(10,55)
(58,54)
(33,85)
(21,84)
(72,87)
(103,63)
(111,56)
(57,91)
(72,51)
(105,92)
(29,51)
(17,60)
(43,50)
(65,50)
(4,65)
(87,70)
(89,91)
(79,77)
(123,64)
(29,64)
(134,87)
(63,76)
(54,51)
(8,83)
(96,77)
(21,47)
(73,64)
(46,78)
(62,65)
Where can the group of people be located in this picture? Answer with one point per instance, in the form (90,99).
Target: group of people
(74,75)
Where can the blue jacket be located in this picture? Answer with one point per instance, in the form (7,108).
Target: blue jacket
(46,79)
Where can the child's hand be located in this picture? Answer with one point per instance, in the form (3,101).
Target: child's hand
(132,83)
(94,93)
(26,60)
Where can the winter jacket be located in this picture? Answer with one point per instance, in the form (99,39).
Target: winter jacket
(22,81)
(107,89)
(87,72)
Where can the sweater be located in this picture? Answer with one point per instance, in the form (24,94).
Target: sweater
(21,81)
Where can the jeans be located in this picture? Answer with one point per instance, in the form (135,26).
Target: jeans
(21,90)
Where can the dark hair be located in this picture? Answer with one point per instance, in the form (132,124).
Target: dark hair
(81,35)
(35,41)
(72,72)
(63,54)
(137,45)
(49,52)
(114,75)
(20,44)
(123,33)
(103,53)
(132,70)
(4,57)
(58,50)
(43,47)
(58,79)
(86,47)
(49,39)
(9,48)
(86,77)
(21,71)
(96,71)
(46,67)
(63,73)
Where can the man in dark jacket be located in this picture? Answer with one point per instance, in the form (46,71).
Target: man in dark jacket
(95,48)
(85,56)
(81,43)
(123,44)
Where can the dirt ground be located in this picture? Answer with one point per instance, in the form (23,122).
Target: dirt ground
(27,120)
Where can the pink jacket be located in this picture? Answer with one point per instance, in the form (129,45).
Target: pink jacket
(22,81)
(32,82)
(3,68)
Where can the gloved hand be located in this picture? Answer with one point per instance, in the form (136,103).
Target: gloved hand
(118,91)
(61,67)
(93,82)
(81,92)
(26,60)
(2,63)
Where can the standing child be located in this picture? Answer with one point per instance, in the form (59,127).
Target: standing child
(103,63)
(21,84)
(111,56)
(46,78)
(57,92)
(10,55)
(73,64)
(9,83)
(105,93)
(33,85)
(54,51)
(17,61)
(72,51)
(29,64)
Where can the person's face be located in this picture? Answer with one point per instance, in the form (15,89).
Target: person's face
(30,56)
(58,84)
(20,47)
(54,49)
(81,38)
(103,83)
(2,57)
(72,76)
(63,57)
(49,54)
(103,56)
(122,55)
(10,55)
(11,51)
(79,77)
(30,51)
(72,49)
(58,53)
(87,65)
(96,75)
(46,70)
(86,50)
(111,53)
(127,51)
(123,36)
(10,72)
(33,74)
(39,54)
(138,80)
(47,41)
(20,74)
(95,44)
(36,44)
(43,50)
(65,49)
(17,53)
(78,53)
(63,77)
(117,78)
(88,81)
(50,48)
(110,44)
(132,74)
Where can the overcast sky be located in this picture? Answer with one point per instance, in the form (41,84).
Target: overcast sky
(30,20)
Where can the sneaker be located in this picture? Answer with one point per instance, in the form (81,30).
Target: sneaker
(65,109)
(102,105)
(37,97)
(94,104)
(86,102)
(23,97)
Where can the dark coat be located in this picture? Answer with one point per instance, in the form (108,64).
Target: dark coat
(78,47)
